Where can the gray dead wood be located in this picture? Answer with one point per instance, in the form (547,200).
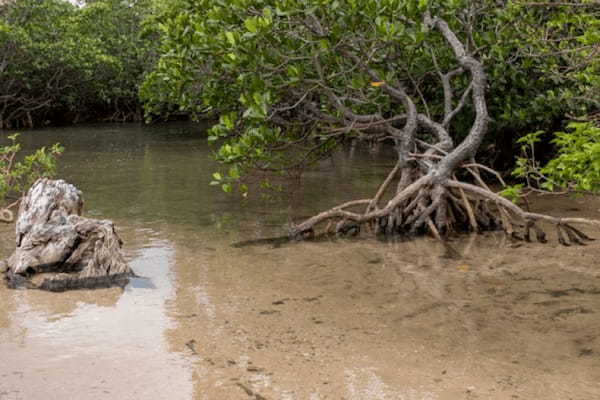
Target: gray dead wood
(58,249)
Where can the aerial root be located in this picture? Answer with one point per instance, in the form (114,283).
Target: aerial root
(440,209)
(518,223)
(579,233)
(568,235)
(420,207)
(347,228)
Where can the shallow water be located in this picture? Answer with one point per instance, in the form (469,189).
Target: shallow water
(352,319)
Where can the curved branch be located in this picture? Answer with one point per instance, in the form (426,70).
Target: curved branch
(463,99)
(337,102)
(6,215)
(445,141)
(471,143)
(374,202)
(403,137)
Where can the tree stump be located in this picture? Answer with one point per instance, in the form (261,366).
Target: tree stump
(57,249)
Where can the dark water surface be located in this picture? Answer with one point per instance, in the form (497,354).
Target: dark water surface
(354,319)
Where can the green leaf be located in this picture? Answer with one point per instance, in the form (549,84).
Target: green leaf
(251,25)
(230,38)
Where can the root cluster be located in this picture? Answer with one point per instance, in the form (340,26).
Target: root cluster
(440,208)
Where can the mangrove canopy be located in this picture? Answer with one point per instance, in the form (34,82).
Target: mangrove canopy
(293,80)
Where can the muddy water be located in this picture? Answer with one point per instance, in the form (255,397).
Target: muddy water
(357,319)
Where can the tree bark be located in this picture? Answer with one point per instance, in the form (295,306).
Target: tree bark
(58,249)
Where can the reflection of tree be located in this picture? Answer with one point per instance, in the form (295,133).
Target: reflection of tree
(36,302)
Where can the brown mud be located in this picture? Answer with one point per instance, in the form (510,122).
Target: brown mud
(348,319)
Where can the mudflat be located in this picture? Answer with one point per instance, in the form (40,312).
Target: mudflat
(481,318)
(357,319)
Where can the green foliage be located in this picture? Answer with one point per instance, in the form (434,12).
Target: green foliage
(527,164)
(18,174)
(544,64)
(251,63)
(62,62)
(512,192)
(576,167)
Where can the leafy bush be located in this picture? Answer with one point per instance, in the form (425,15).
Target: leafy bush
(576,167)
(17,175)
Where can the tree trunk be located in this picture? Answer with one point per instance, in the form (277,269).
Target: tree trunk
(57,249)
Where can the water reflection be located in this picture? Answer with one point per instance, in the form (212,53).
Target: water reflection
(119,334)
(161,174)
(354,319)
(96,321)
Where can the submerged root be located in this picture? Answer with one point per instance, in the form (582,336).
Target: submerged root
(441,208)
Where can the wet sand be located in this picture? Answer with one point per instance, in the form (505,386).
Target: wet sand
(349,319)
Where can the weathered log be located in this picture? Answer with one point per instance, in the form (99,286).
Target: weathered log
(58,249)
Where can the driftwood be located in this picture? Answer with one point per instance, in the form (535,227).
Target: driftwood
(58,249)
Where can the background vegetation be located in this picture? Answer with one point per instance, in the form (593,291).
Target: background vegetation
(62,63)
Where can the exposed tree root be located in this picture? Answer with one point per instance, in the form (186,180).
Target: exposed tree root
(439,209)
(6,215)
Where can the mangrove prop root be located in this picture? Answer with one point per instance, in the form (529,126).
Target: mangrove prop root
(561,237)
(441,208)
(578,233)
